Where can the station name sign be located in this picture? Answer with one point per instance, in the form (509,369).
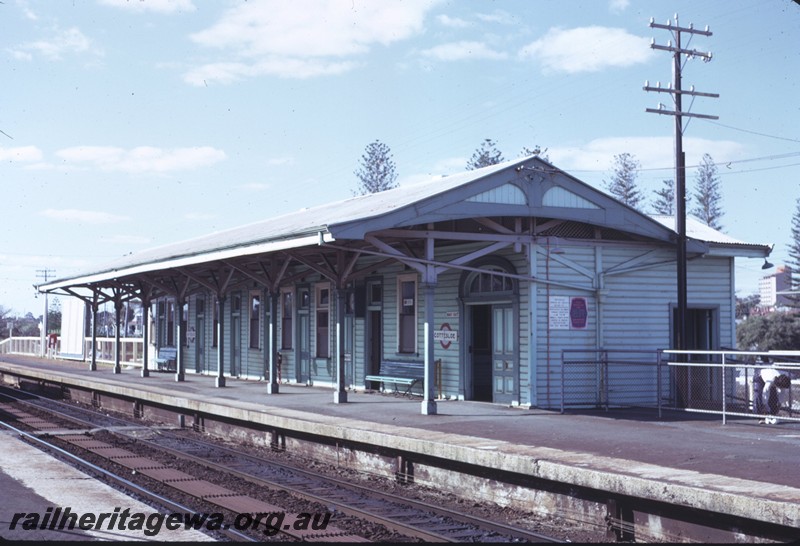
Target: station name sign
(445,335)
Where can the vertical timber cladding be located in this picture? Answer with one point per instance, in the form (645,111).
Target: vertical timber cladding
(458,314)
(449,325)
(253,318)
(638,281)
(359,340)
(190,334)
(648,293)
(566,317)
(212,317)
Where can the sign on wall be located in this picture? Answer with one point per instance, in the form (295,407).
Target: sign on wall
(568,313)
(578,313)
(446,336)
(559,312)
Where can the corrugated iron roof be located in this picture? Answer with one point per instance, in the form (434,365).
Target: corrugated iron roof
(296,226)
(304,227)
(696,229)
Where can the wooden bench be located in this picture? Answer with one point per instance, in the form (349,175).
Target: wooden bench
(167,359)
(398,373)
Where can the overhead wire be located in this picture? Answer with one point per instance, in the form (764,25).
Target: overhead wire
(752,132)
(695,166)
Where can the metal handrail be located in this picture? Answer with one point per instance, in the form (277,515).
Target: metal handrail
(725,363)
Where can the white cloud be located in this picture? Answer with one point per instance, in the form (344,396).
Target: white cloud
(255,186)
(125,240)
(452,22)
(497,16)
(61,43)
(440,169)
(450,165)
(21,153)
(651,152)
(457,51)
(199,216)
(303,38)
(28,12)
(618,6)
(276,161)
(142,158)
(284,68)
(82,216)
(588,49)
(157,6)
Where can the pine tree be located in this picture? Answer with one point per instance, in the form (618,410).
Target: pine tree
(377,169)
(707,194)
(536,150)
(486,155)
(794,255)
(623,181)
(665,199)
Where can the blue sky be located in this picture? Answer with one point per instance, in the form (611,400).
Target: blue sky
(128,124)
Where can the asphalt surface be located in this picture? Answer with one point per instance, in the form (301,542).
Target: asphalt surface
(743,448)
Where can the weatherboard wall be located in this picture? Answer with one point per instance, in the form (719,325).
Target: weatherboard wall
(628,307)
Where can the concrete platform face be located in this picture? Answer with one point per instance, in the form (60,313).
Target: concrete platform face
(683,458)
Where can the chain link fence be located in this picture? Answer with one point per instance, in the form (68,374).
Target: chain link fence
(736,383)
(727,383)
(612,378)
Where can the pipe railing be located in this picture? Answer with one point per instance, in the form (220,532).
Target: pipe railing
(723,382)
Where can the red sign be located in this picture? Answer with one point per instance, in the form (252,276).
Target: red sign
(446,336)
(578,313)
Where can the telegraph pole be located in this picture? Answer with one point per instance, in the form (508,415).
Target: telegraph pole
(45,274)
(676,90)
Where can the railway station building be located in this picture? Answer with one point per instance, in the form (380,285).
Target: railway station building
(481,281)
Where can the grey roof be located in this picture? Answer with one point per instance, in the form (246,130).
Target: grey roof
(308,226)
(291,230)
(700,231)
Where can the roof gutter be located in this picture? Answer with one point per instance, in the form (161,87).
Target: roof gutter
(262,248)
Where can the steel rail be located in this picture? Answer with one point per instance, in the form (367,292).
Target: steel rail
(117,479)
(397,526)
(459,517)
(232,533)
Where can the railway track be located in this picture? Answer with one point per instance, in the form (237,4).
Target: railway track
(148,450)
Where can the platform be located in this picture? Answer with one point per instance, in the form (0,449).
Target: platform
(44,488)
(742,468)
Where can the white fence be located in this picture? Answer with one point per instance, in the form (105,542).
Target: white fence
(21,346)
(131,349)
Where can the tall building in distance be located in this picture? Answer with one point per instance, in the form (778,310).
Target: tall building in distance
(770,285)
